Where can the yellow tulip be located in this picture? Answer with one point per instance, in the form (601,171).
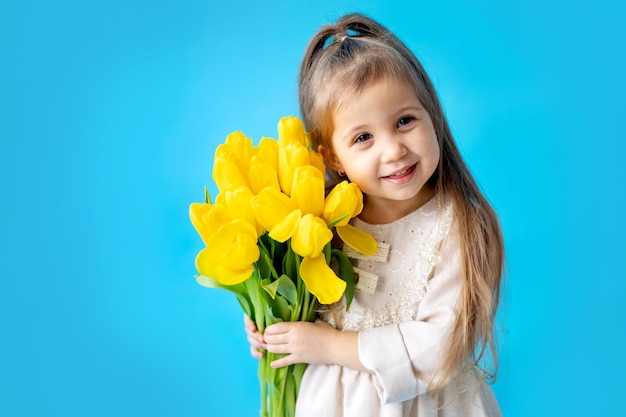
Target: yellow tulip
(241,147)
(226,170)
(290,129)
(268,152)
(344,202)
(290,156)
(320,280)
(261,174)
(357,239)
(230,253)
(237,202)
(207,218)
(307,189)
(271,206)
(310,237)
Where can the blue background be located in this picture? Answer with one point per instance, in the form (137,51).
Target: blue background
(109,116)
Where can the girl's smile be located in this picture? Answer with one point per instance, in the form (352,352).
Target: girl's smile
(385,142)
(401,176)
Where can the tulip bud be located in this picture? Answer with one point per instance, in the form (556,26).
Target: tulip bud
(238,203)
(261,175)
(290,156)
(207,218)
(268,152)
(310,237)
(307,189)
(344,202)
(291,129)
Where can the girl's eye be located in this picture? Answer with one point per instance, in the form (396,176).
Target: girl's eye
(363,137)
(405,120)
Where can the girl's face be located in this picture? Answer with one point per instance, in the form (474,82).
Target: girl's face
(384,141)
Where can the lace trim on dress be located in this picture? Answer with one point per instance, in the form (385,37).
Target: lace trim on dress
(402,303)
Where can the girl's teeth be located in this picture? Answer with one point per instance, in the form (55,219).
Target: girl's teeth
(399,174)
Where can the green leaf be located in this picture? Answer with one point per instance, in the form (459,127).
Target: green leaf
(346,273)
(207,196)
(327,250)
(265,265)
(270,286)
(270,318)
(281,308)
(334,222)
(287,289)
(291,263)
(245,304)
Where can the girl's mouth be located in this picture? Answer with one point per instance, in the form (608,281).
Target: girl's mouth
(402,173)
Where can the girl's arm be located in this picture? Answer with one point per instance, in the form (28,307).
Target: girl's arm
(313,343)
(316,342)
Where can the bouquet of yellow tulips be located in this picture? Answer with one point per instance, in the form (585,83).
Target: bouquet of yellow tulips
(268,240)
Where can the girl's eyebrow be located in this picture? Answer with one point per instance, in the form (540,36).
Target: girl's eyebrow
(408,107)
(347,133)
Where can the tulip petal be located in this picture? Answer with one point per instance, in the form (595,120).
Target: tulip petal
(310,237)
(271,206)
(286,227)
(196,212)
(238,203)
(307,189)
(241,147)
(321,280)
(230,253)
(290,156)
(268,151)
(262,174)
(207,218)
(206,265)
(317,161)
(227,174)
(357,239)
(290,129)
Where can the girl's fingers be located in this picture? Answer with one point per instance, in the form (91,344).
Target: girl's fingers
(249,323)
(278,328)
(277,348)
(256,341)
(256,353)
(279,363)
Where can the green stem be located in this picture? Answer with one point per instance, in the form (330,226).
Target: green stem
(305,306)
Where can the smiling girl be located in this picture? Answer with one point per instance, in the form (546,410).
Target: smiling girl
(421,326)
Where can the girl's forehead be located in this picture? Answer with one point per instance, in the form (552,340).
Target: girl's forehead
(349,93)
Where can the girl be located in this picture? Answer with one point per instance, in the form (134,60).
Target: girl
(416,337)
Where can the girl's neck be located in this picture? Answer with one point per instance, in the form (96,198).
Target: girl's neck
(383,211)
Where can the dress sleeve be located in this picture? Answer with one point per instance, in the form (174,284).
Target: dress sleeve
(405,357)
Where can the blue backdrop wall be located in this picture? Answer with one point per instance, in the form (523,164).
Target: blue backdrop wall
(109,116)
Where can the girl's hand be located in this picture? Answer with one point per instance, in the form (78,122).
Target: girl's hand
(304,342)
(255,338)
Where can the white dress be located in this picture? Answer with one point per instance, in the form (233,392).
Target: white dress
(404,306)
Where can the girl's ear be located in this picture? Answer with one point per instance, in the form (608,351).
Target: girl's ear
(330,158)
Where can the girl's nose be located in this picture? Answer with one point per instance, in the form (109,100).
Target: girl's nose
(393,150)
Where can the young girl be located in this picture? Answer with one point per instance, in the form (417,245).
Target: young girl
(421,325)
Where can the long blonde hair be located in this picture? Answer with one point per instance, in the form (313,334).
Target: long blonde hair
(339,62)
